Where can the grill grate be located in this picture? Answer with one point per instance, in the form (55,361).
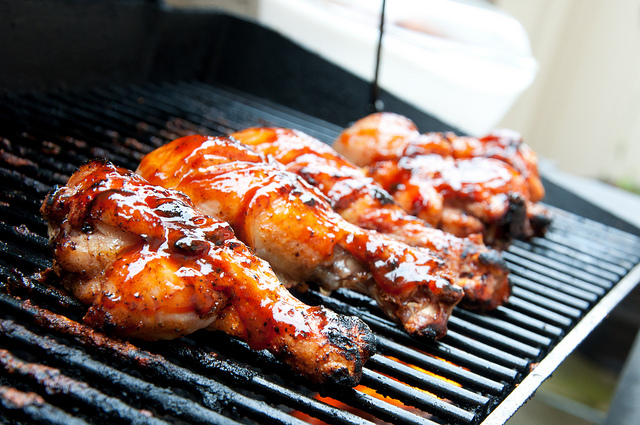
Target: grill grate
(49,361)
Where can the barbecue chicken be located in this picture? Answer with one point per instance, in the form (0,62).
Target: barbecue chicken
(481,272)
(150,266)
(463,185)
(291,225)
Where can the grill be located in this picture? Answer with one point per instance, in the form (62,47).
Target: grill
(56,370)
(563,285)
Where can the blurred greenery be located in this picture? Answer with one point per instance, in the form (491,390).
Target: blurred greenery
(625,183)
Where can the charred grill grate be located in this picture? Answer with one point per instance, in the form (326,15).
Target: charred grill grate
(49,361)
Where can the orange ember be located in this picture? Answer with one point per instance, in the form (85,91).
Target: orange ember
(419,369)
(373,393)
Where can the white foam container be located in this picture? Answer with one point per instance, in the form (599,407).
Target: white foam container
(463,62)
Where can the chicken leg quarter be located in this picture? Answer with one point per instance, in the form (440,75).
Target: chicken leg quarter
(480,271)
(151,267)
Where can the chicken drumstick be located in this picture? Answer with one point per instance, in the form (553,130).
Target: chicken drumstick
(150,266)
(481,272)
(290,224)
(490,184)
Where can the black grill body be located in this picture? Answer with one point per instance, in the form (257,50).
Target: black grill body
(209,73)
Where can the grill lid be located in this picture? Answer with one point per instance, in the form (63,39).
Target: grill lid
(483,370)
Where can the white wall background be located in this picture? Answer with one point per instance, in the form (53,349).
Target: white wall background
(583,109)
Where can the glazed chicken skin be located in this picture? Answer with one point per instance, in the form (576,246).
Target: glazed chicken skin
(506,146)
(151,267)
(385,136)
(489,184)
(462,197)
(481,272)
(291,225)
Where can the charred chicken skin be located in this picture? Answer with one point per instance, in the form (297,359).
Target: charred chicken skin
(481,272)
(291,225)
(151,267)
(489,184)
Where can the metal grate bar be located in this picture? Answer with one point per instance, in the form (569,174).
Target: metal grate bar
(571,253)
(471,345)
(52,381)
(516,332)
(385,410)
(159,398)
(531,266)
(528,322)
(498,339)
(582,246)
(588,227)
(546,302)
(523,276)
(388,330)
(208,362)
(597,245)
(215,395)
(537,311)
(32,408)
(591,266)
(559,293)
(427,381)
(569,269)
(410,396)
